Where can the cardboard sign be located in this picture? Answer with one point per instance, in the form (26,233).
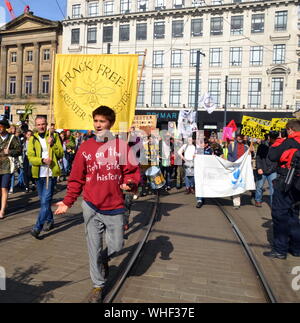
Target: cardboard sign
(141,121)
(255,128)
(278,124)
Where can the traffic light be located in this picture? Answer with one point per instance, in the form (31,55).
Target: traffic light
(7,112)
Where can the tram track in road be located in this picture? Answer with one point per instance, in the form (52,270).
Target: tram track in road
(262,286)
(269,294)
(116,293)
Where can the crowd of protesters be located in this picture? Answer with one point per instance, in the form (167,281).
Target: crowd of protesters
(39,158)
(175,158)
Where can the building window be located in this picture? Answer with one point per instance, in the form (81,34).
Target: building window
(93,8)
(45,84)
(142,5)
(298,84)
(141,31)
(108,34)
(178,3)
(298,64)
(176,60)
(157,93)
(192,92)
(256,55)
(141,95)
(12,85)
(46,54)
(216,2)
(216,26)
(158,58)
(30,56)
(197,27)
(75,35)
(92,35)
(28,84)
(124,32)
(281,20)
(175,93)
(177,29)
(193,58)
(76,11)
(237,23)
(159,4)
(214,90)
(108,8)
(125,6)
(235,56)
(254,93)
(13,57)
(234,92)
(277,92)
(278,54)
(215,57)
(198,3)
(159,30)
(258,23)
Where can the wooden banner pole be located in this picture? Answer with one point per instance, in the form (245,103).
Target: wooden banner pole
(139,83)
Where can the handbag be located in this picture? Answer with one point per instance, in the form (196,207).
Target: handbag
(11,159)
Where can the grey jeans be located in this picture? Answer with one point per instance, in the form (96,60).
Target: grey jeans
(95,226)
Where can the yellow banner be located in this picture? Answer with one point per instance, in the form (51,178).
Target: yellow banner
(280,123)
(85,82)
(255,128)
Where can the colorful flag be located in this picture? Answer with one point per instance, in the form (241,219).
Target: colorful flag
(85,82)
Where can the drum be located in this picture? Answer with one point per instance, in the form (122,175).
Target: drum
(155,177)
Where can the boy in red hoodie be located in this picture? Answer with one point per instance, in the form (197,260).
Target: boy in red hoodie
(103,167)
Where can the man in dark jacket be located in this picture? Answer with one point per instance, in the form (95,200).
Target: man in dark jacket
(285,206)
(266,170)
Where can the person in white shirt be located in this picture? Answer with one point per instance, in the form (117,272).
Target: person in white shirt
(187,154)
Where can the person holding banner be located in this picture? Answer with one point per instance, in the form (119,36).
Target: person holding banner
(44,152)
(103,167)
(236,150)
(187,154)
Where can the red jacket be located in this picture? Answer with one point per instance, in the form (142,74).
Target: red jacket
(99,169)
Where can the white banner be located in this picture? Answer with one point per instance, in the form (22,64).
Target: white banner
(187,123)
(208,103)
(217,177)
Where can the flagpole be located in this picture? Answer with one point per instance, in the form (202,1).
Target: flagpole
(51,111)
(141,73)
(140,80)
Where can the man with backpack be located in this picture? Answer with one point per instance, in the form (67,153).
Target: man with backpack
(9,147)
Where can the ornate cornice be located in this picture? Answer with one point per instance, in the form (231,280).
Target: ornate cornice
(181,12)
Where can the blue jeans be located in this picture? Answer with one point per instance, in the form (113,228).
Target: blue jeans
(45,196)
(189,181)
(260,184)
(286,224)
